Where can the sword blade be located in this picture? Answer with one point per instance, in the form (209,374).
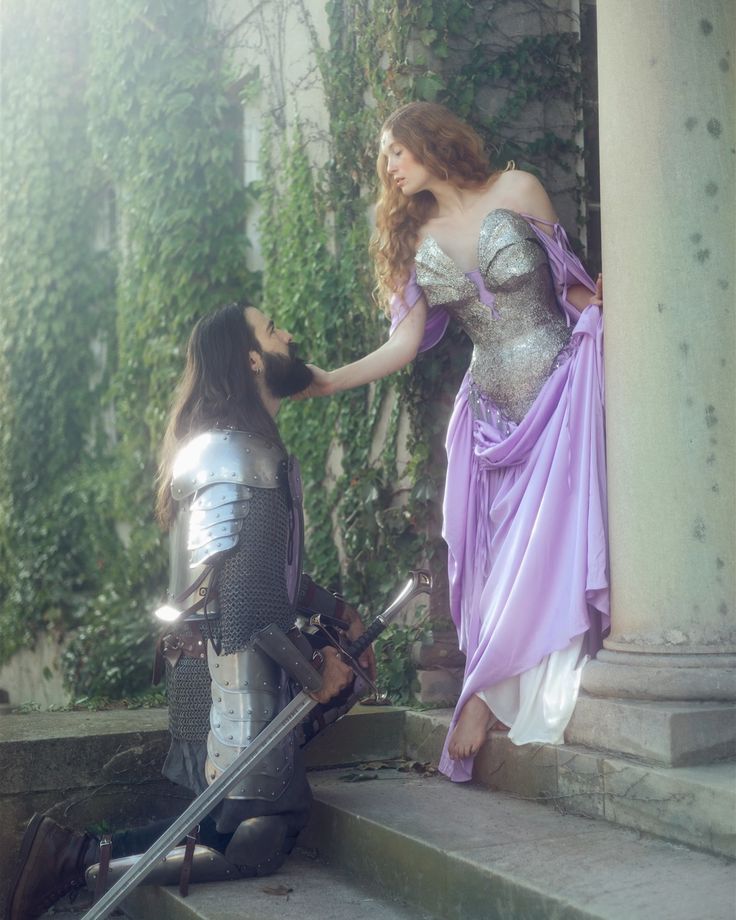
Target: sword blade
(277,729)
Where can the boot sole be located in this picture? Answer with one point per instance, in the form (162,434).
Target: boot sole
(29,838)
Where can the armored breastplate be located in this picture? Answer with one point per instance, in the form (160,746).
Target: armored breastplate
(507,307)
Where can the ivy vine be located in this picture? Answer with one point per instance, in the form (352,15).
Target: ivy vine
(56,320)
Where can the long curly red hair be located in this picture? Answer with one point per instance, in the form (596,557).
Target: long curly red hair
(451,150)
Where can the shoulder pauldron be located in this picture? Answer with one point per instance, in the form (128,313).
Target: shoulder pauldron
(217,470)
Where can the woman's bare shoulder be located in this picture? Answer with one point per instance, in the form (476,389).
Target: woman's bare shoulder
(527,194)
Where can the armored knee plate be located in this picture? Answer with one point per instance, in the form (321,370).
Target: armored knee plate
(260,845)
(248,690)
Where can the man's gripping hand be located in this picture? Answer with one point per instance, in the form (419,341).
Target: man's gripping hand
(336,675)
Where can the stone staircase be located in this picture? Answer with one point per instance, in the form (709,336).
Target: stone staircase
(390,838)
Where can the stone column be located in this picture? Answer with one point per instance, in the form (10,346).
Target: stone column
(668,160)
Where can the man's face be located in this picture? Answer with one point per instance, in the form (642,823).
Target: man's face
(284,373)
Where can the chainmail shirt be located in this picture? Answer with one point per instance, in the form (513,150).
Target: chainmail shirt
(251,585)
(188,694)
(252,593)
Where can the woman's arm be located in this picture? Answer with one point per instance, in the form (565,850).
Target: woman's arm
(394,354)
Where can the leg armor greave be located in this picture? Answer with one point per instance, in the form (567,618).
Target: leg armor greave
(258,847)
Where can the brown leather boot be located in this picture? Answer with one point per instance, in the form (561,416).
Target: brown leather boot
(51,864)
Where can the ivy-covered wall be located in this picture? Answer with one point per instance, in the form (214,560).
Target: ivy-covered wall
(116,125)
(123,214)
(56,303)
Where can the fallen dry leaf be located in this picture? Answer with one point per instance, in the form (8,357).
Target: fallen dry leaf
(280,890)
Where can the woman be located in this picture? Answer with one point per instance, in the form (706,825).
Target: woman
(524,508)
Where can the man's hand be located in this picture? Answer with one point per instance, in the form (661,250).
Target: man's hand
(367,660)
(336,675)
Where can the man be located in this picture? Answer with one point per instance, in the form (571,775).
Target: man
(230,497)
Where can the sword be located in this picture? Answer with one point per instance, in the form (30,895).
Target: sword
(420,582)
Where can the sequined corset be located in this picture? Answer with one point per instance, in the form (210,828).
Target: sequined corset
(507,307)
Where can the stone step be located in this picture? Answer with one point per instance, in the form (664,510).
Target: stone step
(694,805)
(494,855)
(303,889)
(366,733)
(462,854)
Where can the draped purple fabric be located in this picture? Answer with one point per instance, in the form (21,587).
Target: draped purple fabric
(525,515)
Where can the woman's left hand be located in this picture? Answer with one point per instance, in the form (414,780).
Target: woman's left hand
(597,298)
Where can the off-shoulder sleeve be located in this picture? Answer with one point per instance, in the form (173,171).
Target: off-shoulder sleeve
(401,304)
(566,267)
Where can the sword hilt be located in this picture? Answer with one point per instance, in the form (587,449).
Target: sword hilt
(420,582)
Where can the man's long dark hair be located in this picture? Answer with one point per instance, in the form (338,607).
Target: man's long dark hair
(217,389)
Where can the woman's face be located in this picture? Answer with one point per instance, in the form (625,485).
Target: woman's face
(403,168)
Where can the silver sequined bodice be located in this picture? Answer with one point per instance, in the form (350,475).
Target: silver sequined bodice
(515,341)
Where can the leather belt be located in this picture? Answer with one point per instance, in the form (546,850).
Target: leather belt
(172,646)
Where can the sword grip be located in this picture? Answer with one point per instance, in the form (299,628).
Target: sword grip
(420,582)
(356,649)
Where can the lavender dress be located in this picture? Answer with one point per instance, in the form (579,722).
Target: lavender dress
(525,498)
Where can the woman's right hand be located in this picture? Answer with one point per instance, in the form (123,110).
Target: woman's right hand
(394,354)
(321,385)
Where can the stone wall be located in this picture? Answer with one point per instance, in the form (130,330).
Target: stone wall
(96,769)
(34,675)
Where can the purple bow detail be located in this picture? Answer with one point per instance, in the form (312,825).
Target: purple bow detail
(484,295)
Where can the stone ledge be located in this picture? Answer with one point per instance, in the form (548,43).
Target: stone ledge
(693,805)
(51,751)
(83,769)
(670,733)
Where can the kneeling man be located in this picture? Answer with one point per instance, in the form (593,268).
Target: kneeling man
(231,498)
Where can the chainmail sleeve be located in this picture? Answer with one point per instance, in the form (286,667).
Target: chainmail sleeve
(251,583)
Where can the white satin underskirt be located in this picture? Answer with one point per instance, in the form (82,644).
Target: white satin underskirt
(538,704)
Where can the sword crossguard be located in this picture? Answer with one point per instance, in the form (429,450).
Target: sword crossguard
(343,651)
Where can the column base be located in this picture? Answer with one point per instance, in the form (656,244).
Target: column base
(674,734)
(675,710)
(644,676)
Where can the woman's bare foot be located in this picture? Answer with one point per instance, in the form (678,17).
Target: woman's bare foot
(471,729)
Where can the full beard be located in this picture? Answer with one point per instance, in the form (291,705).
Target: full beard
(285,376)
